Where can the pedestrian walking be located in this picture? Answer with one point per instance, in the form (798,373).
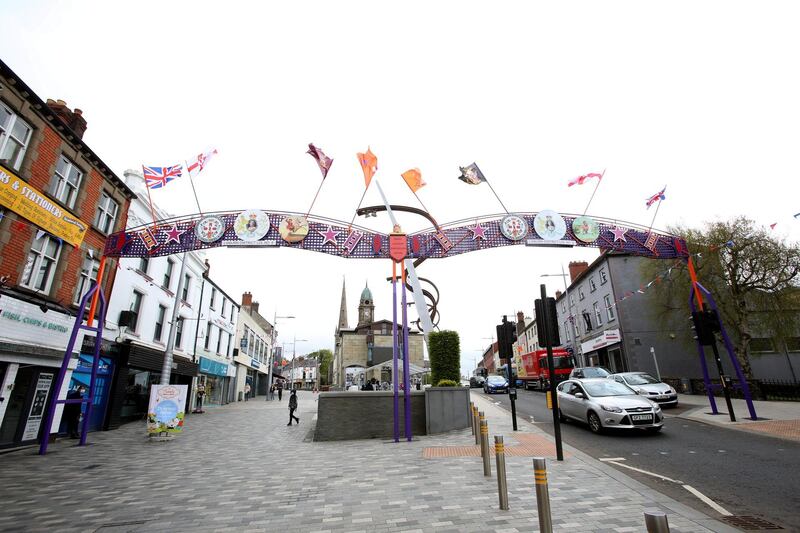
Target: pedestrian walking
(246,392)
(280,391)
(272,392)
(72,411)
(292,407)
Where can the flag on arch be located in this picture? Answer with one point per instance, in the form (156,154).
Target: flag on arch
(772,226)
(157,177)
(580,180)
(413,178)
(472,174)
(322,160)
(198,163)
(369,164)
(657,197)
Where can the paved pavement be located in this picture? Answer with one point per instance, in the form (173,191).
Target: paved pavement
(776,419)
(240,468)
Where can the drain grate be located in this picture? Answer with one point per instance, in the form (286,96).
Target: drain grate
(750,523)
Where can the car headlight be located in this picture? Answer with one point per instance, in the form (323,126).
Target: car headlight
(656,407)
(672,390)
(611,408)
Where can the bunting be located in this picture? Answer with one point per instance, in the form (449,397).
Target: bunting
(413,179)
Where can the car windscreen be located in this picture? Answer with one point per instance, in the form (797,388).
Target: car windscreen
(641,379)
(595,372)
(497,380)
(560,362)
(610,388)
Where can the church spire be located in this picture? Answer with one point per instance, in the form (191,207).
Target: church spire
(343,309)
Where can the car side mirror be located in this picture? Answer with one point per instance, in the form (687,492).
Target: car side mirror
(580,395)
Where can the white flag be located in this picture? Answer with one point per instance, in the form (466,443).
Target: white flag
(199,162)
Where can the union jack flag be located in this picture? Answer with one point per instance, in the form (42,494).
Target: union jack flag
(157,177)
(656,197)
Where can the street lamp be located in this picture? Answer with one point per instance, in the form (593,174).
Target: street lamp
(570,317)
(275,318)
(294,352)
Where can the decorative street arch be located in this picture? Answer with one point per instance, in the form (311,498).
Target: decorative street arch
(257,228)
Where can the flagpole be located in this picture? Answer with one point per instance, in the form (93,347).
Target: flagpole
(149,199)
(654,217)
(191,181)
(315,197)
(594,191)
(355,213)
(495,195)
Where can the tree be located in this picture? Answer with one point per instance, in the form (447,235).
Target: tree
(325,358)
(444,350)
(752,275)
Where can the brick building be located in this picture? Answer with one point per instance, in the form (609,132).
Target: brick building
(58,202)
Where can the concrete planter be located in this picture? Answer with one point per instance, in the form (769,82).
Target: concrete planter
(365,415)
(446,409)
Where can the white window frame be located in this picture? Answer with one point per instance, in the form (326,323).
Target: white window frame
(219,342)
(208,335)
(6,136)
(187,280)
(609,308)
(592,286)
(213,303)
(603,277)
(62,184)
(179,333)
(144,264)
(168,274)
(597,314)
(86,277)
(581,296)
(161,318)
(106,216)
(138,311)
(36,258)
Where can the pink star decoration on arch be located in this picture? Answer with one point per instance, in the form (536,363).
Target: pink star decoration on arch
(478,232)
(619,234)
(329,235)
(173,234)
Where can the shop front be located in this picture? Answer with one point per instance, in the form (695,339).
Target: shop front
(214,381)
(606,350)
(247,373)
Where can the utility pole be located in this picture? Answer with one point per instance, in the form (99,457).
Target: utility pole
(166,368)
(274,336)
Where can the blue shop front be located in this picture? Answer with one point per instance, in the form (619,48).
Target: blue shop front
(214,380)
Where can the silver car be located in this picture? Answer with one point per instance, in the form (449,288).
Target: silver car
(603,403)
(646,385)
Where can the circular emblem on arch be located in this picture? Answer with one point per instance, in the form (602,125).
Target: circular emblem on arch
(293,228)
(209,229)
(513,227)
(586,229)
(550,225)
(251,225)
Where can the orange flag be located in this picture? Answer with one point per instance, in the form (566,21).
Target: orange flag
(369,164)
(413,179)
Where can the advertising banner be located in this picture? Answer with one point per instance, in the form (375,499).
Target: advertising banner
(18,196)
(166,411)
(37,407)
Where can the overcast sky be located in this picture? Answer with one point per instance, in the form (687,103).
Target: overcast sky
(699,96)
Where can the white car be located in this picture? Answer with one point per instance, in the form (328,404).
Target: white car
(646,385)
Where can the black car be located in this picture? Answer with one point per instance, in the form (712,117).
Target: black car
(476,382)
(495,384)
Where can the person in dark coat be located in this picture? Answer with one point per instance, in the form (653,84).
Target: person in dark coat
(72,411)
(293,407)
(280,391)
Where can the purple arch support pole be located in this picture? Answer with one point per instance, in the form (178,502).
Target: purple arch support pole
(394,357)
(51,409)
(734,361)
(406,368)
(703,364)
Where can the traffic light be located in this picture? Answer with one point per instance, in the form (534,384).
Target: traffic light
(506,335)
(548,324)
(705,323)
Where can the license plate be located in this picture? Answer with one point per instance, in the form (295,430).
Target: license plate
(642,417)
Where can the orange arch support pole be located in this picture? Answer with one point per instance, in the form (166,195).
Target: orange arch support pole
(693,277)
(93,307)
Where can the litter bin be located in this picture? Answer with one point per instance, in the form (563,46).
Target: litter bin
(686,386)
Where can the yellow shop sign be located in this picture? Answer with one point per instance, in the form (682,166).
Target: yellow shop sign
(18,196)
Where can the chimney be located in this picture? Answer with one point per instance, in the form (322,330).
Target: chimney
(520,322)
(254,307)
(576,268)
(73,119)
(247,299)
(558,294)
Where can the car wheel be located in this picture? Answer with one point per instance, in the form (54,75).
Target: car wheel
(654,429)
(594,423)
(561,416)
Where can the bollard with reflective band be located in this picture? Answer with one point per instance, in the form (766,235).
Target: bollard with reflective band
(487,461)
(542,495)
(502,484)
(472,418)
(477,426)
(656,522)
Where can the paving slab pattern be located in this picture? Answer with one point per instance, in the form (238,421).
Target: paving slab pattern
(240,468)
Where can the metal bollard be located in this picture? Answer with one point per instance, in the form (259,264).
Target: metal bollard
(502,484)
(476,420)
(487,461)
(656,522)
(472,416)
(542,495)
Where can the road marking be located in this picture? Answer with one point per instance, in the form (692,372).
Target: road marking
(708,501)
(665,478)
(612,458)
(692,451)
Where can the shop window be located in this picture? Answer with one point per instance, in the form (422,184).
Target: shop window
(15,135)
(88,276)
(597,315)
(159,330)
(66,182)
(208,335)
(168,274)
(762,345)
(609,308)
(106,215)
(40,267)
(136,307)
